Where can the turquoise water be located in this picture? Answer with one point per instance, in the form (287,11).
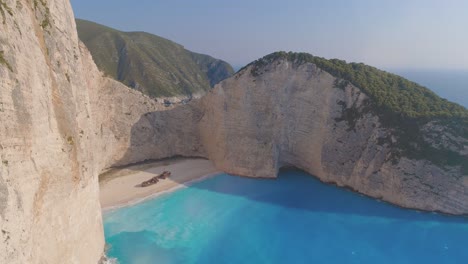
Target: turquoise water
(294,219)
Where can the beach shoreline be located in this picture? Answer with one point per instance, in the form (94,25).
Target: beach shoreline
(120,187)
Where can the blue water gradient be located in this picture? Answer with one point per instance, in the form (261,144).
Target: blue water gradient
(294,219)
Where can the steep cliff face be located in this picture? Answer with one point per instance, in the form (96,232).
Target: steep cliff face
(47,179)
(115,108)
(295,114)
(57,115)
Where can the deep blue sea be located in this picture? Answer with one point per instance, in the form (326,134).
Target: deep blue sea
(294,219)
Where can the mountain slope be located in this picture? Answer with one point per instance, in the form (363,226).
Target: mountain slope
(151,64)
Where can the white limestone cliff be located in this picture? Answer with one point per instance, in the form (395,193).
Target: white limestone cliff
(57,113)
(292,115)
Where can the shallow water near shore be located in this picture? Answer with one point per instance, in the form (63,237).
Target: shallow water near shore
(294,219)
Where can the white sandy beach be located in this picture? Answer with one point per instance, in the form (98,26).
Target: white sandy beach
(119,187)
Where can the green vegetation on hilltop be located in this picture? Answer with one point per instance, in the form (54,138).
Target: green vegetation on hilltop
(151,64)
(388,91)
(401,105)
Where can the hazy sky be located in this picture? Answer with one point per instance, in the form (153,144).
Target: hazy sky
(384,33)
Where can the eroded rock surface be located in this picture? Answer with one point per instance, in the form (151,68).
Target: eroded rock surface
(57,115)
(295,115)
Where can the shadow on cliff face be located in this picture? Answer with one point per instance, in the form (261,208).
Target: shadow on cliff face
(162,134)
(157,139)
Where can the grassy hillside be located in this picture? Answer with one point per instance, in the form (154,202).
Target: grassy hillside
(216,70)
(405,107)
(151,64)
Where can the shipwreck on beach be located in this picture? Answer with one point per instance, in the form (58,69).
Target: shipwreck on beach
(156,178)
